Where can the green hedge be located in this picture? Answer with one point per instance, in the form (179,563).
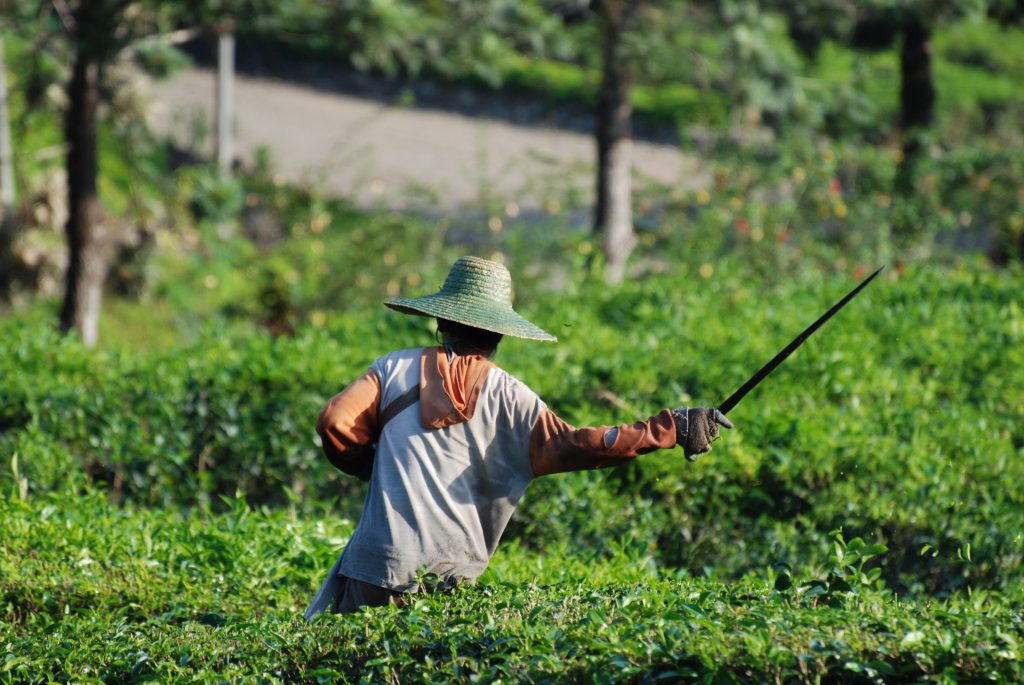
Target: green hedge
(91,593)
(900,420)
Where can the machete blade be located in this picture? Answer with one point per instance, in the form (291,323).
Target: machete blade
(742,391)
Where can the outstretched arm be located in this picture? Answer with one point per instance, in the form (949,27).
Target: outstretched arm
(557,447)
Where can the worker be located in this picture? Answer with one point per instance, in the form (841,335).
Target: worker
(449,443)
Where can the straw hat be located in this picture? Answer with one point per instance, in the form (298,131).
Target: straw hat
(478,293)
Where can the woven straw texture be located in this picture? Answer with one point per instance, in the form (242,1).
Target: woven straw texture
(478,293)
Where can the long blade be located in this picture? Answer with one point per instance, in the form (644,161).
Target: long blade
(735,398)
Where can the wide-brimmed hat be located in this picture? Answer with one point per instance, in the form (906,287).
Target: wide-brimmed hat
(478,293)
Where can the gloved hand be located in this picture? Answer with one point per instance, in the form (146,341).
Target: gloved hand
(697,428)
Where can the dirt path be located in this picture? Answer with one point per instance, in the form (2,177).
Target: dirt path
(379,154)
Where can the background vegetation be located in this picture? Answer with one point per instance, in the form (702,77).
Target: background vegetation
(166,513)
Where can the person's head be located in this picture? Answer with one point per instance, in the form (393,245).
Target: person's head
(468,339)
(473,307)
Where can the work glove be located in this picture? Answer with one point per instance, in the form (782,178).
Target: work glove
(697,428)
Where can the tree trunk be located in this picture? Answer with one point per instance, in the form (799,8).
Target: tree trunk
(6,188)
(917,109)
(917,90)
(613,216)
(87,235)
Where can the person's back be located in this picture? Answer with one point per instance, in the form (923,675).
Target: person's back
(446,478)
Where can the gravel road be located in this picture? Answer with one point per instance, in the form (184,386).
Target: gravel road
(380,152)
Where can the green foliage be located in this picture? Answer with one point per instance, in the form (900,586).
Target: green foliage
(761,72)
(90,592)
(898,421)
(180,431)
(906,444)
(462,40)
(159,58)
(847,578)
(693,60)
(877,463)
(839,199)
(970,43)
(844,434)
(217,197)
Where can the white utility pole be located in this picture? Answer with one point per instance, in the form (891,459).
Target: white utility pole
(6,153)
(225,95)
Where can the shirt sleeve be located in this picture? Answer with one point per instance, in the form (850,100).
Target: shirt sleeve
(557,447)
(348,425)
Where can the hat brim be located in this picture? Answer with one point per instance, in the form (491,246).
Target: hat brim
(471,311)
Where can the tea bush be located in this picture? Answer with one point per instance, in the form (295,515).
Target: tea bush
(92,593)
(900,420)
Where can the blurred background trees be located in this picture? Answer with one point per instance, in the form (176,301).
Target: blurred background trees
(92,34)
(836,115)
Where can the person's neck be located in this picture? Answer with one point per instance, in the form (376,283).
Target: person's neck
(464,350)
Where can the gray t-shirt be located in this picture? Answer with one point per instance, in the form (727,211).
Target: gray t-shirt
(440,498)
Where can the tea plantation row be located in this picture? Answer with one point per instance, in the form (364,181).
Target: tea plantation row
(899,421)
(94,593)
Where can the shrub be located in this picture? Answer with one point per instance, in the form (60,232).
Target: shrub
(898,420)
